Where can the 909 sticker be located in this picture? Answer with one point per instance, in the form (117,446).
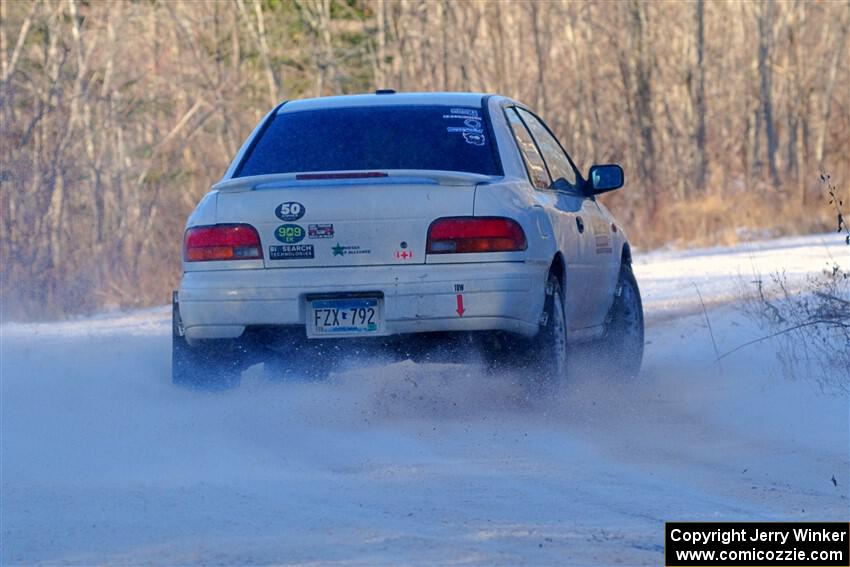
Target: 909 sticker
(289,233)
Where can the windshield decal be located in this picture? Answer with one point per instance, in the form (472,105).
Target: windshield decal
(474,138)
(473,126)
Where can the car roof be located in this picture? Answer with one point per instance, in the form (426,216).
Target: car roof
(442,99)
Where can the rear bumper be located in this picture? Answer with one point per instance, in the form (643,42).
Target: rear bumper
(505,296)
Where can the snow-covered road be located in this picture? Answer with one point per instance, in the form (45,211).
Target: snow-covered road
(104,461)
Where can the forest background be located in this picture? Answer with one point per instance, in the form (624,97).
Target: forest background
(116,117)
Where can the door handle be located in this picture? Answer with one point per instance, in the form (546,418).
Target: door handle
(580,224)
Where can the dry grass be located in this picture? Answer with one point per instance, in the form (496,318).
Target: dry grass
(812,326)
(725,220)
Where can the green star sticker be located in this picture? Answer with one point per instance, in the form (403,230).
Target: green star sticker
(338,250)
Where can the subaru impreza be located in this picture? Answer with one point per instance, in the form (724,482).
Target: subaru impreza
(390,216)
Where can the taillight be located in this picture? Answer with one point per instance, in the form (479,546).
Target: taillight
(460,235)
(222,242)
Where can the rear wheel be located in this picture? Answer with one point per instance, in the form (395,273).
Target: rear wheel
(549,352)
(210,364)
(542,360)
(624,335)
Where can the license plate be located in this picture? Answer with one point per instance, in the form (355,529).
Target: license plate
(345,317)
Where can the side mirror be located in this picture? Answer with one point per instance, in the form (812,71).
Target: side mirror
(603,178)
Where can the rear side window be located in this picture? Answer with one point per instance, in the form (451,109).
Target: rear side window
(556,159)
(533,161)
(375,138)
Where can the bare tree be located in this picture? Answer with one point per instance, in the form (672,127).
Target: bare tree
(115,118)
(766,30)
(699,97)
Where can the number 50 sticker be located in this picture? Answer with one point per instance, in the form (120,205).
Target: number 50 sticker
(290,211)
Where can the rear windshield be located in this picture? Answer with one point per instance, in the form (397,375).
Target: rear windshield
(374,138)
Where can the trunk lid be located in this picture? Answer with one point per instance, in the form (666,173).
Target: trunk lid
(368,220)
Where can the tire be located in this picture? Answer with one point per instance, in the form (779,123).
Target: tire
(213,364)
(623,343)
(548,361)
(542,360)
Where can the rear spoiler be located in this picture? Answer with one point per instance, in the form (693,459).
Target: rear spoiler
(324,178)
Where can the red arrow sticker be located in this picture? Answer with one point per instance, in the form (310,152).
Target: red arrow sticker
(460,308)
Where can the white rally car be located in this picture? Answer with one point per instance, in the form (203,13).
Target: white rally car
(386,215)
